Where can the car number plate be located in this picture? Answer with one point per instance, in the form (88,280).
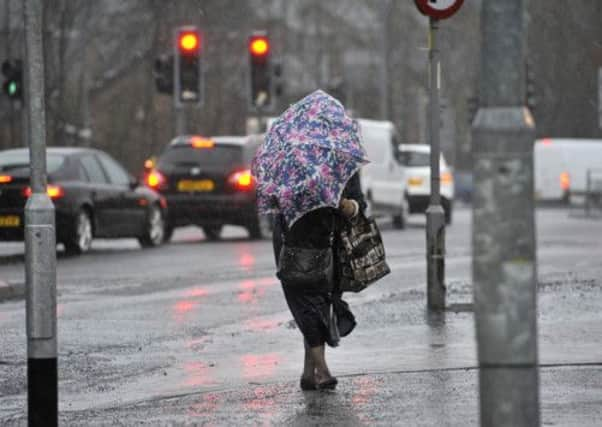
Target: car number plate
(196,185)
(10,221)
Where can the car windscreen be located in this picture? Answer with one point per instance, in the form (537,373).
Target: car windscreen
(414,158)
(219,155)
(18,161)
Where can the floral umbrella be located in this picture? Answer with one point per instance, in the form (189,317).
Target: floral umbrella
(308,155)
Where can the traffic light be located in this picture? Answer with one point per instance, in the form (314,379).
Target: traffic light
(163,73)
(13,83)
(259,61)
(188,68)
(278,83)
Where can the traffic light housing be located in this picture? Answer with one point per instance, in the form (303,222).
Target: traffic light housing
(278,84)
(188,66)
(163,73)
(260,71)
(13,79)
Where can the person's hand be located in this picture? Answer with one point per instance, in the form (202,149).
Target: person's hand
(349,207)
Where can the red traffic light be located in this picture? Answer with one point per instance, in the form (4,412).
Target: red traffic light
(189,42)
(259,46)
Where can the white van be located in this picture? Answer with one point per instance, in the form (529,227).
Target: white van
(416,158)
(383,179)
(561,167)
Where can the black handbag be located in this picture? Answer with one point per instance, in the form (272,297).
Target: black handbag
(305,267)
(361,254)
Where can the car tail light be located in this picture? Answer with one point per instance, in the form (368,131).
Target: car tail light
(53,191)
(155,180)
(447,178)
(242,180)
(565,181)
(5,179)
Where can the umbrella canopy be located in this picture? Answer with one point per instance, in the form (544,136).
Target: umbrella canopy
(308,155)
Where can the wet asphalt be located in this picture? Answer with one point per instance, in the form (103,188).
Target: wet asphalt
(197,333)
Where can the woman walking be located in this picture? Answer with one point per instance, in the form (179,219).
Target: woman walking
(307,174)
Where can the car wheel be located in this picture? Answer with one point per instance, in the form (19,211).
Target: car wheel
(212,232)
(154,228)
(261,228)
(81,241)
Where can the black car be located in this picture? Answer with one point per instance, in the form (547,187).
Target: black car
(207,182)
(93,196)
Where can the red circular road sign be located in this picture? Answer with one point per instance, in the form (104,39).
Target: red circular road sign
(438,9)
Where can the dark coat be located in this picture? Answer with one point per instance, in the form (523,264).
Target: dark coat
(311,307)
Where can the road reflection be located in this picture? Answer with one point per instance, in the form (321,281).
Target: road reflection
(192,298)
(208,404)
(364,390)
(259,366)
(250,291)
(246,259)
(198,374)
(256,324)
(327,408)
(262,402)
(196,292)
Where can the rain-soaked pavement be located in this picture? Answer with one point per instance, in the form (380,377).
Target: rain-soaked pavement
(197,333)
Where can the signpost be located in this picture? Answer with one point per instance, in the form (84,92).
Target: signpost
(439,9)
(435,216)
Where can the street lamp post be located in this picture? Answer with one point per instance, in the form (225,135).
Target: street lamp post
(40,245)
(504,249)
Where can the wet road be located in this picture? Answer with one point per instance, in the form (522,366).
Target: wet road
(141,330)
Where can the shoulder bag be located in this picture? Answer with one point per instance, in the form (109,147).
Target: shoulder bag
(361,254)
(305,267)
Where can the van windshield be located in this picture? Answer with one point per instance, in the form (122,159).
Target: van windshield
(414,158)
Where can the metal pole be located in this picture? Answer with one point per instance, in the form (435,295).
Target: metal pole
(504,248)
(178,108)
(180,120)
(435,217)
(40,246)
(384,63)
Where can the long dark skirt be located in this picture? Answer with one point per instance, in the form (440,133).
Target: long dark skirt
(312,312)
(316,310)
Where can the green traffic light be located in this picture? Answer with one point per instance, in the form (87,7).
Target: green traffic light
(12,88)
